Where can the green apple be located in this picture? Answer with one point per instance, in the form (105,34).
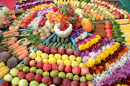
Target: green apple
(89,77)
(23,82)
(8,78)
(14,71)
(42,84)
(34,83)
(15,81)
(52,85)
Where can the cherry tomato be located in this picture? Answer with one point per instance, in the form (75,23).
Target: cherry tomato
(27,21)
(108,35)
(23,25)
(30,17)
(107,23)
(7,22)
(34,14)
(107,27)
(108,31)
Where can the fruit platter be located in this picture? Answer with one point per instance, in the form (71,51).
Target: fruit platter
(64,43)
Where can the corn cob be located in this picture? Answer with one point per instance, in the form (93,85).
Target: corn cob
(4,72)
(1,69)
(2,64)
(123,21)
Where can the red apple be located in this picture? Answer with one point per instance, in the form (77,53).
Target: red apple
(21,75)
(47,80)
(47,67)
(29,76)
(122,16)
(76,70)
(40,65)
(4,83)
(68,69)
(76,53)
(26,60)
(40,46)
(113,13)
(38,77)
(90,83)
(83,84)
(128,15)
(84,71)
(117,16)
(69,51)
(57,81)
(107,3)
(66,82)
(75,83)
(53,50)
(61,67)
(102,18)
(32,63)
(61,50)
(54,66)
(47,50)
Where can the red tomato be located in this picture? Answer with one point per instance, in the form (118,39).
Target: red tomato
(30,17)
(108,31)
(107,26)
(34,14)
(27,21)
(23,25)
(107,23)
(108,35)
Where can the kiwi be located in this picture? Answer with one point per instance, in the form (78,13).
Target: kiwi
(12,62)
(4,56)
(2,49)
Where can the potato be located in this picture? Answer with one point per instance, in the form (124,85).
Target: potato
(47,31)
(48,34)
(36,28)
(44,27)
(52,30)
(35,33)
(4,56)
(50,27)
(42,34)
(40,31)
(43,38)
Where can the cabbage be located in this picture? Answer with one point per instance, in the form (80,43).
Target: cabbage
(48,24)
(2,13)
(5,9)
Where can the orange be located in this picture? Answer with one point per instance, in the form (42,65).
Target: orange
(97,18)
(88,27)
(95,15)
(88,11)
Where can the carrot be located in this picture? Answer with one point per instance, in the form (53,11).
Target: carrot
(21,52)
(15,34)
(11,42)
(14,46)
(18,50)
(25,54)
(4,72)
(9,32)
(18,47)
(2,64)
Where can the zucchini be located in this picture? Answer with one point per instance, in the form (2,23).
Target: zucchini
(47,43)
(73,47)
(66,46)
(54,39)
(58,45)
(66,40)
(50,44)
(62,40)
(58,39)
(54,45)
(70,45)
(63,45)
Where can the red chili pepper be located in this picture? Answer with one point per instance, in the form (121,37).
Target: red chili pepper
(41,21)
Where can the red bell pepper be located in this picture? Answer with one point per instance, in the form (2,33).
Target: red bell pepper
(43,22)
(39,24)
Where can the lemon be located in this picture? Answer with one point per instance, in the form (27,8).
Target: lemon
(32,55)
(67,63)
(39,53)
(46,60)
(57,56)
(38,58)
(44,56)
(72,58)
(84,20)
(65,57)
(81,65)
(79,59)
(51,56)
(59,61)
(52,60)
(75,63)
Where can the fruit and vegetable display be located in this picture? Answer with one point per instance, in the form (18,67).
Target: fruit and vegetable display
(64,43)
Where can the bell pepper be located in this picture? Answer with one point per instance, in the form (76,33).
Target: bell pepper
(43,22)
(39,24)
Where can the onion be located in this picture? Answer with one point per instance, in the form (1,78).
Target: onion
(48,24)
(5,9)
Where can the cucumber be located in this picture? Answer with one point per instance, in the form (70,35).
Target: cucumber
(58,45)
(70,45)
(47,43)
(73,47)
(54,39)
(54,45)
(58,39)
(50,44)
(62,40)
(63,45)
(66,46)
(66,40)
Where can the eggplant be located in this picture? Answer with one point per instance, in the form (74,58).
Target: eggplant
(8,19)
(4,27)
(17,13)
